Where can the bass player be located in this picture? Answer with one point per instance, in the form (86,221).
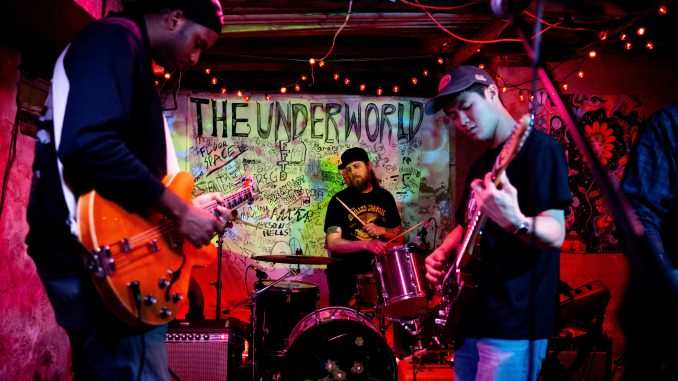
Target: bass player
(108,134)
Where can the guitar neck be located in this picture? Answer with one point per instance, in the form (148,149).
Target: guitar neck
(232,201)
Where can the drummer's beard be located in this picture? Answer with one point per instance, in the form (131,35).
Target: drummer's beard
(361,183)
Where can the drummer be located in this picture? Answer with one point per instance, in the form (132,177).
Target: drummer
(360,220)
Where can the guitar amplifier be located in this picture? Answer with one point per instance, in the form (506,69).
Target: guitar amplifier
(584,303)
(584,358)
(205,350)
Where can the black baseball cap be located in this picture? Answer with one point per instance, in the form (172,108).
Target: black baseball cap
(204,12)
(353,154)
(457,81)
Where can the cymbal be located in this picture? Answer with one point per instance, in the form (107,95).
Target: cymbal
(296,259)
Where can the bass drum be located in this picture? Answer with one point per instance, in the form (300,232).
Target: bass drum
(338,343)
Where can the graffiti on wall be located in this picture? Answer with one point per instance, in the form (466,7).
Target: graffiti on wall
(291,146)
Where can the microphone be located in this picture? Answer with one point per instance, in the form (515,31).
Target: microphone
(505,8)
(421,235)
(261,274)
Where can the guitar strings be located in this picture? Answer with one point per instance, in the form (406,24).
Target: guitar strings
(167,227)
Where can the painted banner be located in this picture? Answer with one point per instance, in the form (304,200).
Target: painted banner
(291,146)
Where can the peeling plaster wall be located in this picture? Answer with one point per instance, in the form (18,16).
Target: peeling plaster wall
(32,346)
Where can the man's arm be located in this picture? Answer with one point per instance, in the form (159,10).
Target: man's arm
(336,244)
(383,233)
(545,230)
(435,261)
(195,224)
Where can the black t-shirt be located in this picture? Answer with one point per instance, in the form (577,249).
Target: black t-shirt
(517,296)
(377,206)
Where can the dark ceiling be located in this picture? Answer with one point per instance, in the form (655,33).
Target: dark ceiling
(267,44)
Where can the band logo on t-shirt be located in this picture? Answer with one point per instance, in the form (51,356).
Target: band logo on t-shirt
(367,213)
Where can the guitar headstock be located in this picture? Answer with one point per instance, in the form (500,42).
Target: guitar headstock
(248,183)
(514,143)
(245,194)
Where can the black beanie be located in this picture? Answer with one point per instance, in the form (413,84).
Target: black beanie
(204,12)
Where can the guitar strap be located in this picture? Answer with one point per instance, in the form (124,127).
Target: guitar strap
(59,95)
(172,161)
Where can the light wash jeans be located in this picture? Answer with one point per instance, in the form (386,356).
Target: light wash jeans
(486,359)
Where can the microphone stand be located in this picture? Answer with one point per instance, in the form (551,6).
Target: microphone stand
(260,288)
(648,268)
(642,252)
(217,283)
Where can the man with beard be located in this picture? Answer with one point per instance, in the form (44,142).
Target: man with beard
(355,241)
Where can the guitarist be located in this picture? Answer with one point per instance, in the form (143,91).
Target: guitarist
(104,126)
(504,327)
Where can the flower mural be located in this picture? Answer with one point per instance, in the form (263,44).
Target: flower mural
(602,140)
(610,126)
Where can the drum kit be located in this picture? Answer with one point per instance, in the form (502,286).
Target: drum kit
(291,339)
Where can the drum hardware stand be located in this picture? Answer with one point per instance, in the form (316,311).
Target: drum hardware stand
(260,288)
(220,254)
(298,251)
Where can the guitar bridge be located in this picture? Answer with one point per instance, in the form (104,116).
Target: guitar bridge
(443,313)
(153,246)
(126,248)
(100,262)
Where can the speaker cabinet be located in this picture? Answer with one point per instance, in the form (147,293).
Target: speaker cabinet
(205,350)
(584,304)
(424,372)
(584,358)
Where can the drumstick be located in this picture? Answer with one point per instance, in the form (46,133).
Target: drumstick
(405,232)
(351,211)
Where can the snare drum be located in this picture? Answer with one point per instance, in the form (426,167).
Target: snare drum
(402,280)
(279,308)
(338,343)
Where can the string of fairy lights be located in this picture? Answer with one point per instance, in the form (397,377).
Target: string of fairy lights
(635,35)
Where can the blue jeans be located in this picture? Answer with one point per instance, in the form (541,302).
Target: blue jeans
(486,359)
(103,348)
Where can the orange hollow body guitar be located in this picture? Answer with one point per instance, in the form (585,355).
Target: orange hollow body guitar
(139,264)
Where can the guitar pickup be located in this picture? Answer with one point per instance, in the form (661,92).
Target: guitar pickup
(100,262)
